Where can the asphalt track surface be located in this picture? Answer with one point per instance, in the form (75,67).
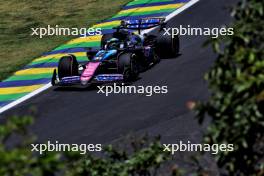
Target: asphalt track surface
(83,116)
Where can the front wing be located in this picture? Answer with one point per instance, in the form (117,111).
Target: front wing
(101,78)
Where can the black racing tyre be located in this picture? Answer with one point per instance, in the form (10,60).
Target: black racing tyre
(127,65)
(167,47)
(68,66)
(156,58)
(105,38)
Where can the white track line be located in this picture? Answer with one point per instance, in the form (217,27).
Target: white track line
(26,97)
(47,86)
(181,9)
(175,13)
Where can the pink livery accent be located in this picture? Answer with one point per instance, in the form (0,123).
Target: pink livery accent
(89,71)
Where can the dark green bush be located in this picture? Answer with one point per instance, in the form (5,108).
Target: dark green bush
(236,83)
(17,159)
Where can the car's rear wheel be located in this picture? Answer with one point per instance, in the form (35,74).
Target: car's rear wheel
(128,66)
(68,66)
(167,47)
(156,58)
(105,38)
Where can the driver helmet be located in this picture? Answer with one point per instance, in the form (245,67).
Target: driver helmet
(112,43)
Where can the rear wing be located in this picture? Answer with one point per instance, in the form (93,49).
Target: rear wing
(143,23)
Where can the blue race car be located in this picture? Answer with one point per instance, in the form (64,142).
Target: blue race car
(123,55)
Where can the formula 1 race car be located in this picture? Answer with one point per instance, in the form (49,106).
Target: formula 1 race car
(122,56)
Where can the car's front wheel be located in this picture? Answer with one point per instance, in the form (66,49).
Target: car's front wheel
(68,66)
(128,66)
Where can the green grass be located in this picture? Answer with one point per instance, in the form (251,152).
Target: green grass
(18,47)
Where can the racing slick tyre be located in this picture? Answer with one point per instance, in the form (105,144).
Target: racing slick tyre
(127,65)
(68,66)
(167,47)
(156,58)
(105,38)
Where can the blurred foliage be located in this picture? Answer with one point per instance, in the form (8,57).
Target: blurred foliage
(16,158)
(144,162)
(144,159)
(236,82)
